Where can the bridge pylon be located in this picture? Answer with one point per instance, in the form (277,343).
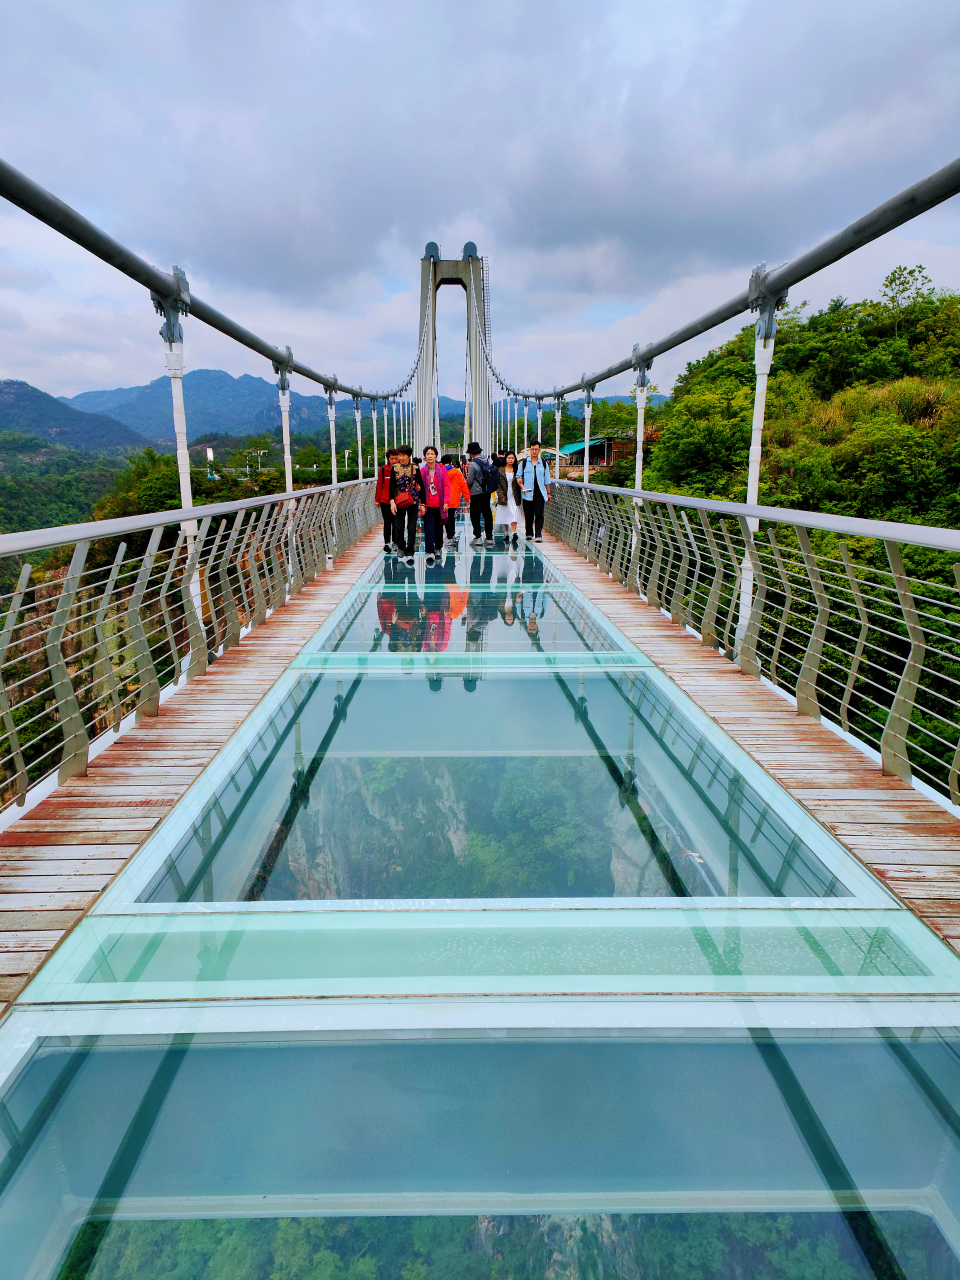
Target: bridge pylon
(466,271)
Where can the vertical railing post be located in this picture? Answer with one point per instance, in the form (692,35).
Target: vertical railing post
(148,704)
(20,778)
(708,623)
(807,701)
(76,744)
(198,643)
(749,663)
(893,740)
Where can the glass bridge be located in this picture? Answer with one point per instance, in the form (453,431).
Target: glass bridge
(481,951)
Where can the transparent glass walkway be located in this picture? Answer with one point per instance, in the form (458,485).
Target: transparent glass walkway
(481,951)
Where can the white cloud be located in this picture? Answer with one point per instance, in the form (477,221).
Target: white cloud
(623,164)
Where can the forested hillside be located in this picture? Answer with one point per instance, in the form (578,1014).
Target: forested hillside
(862,419)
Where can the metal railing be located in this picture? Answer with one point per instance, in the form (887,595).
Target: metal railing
(88,645)
(857,620)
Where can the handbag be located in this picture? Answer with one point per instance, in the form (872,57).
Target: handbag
(405,497)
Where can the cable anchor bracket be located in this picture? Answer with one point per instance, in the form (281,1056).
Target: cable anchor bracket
(173,307)
(767,304)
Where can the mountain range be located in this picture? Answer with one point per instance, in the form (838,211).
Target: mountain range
(124,419)
(26,410)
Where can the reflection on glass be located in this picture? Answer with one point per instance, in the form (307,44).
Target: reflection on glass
(568,783)
(497,603)
(750,1156)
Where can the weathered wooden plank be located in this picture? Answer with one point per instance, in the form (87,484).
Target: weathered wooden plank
(30,940)
(46,901)
(61,866)
(12,838)
(22,962)
(54,884)
(87,824)
(37,918)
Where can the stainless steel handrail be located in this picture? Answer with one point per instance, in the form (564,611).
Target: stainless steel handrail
(144,603)
(849,633)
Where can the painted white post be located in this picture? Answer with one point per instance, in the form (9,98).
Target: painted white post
(285,420)
(641,407)
(587,412)
(394,424)
(356,413)
(556,423)
(763,358)
(373,411)
(174,359)
(526,410)
(332,416)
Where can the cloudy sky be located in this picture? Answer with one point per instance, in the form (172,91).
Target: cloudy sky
(622,164)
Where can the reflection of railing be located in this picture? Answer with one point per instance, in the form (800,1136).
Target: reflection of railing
(141,604)
(859,620)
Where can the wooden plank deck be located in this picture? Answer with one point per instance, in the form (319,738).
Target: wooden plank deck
(57,859)
(908,841)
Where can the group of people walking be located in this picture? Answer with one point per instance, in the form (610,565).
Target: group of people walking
(433,491)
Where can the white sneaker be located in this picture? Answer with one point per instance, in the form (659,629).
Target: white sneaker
(430,558)
(489,543)
(476,542)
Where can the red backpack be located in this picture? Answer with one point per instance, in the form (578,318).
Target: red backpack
(383,483)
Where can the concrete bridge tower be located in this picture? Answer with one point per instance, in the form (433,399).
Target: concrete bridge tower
(467,272)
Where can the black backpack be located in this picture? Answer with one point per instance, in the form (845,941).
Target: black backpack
(491,475)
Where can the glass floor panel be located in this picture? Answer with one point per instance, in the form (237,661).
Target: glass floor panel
(400,952)
(765,1155)
(554,778)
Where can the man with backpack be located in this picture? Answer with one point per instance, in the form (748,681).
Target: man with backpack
(534,480)
(482,481)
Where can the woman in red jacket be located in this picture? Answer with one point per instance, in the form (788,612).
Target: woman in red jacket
(383,501)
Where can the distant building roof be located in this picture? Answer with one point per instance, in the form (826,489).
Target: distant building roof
(578,446)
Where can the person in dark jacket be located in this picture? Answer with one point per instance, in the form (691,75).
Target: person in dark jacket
(406,502)
(479,495)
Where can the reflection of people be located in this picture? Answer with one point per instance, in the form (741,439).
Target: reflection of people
(436,498)
(509,497)
(459,494)
(481,482)
(481,605)
(406,502)
(437,633)
(408,624)
(532,602)
(535,483)
(383,501)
